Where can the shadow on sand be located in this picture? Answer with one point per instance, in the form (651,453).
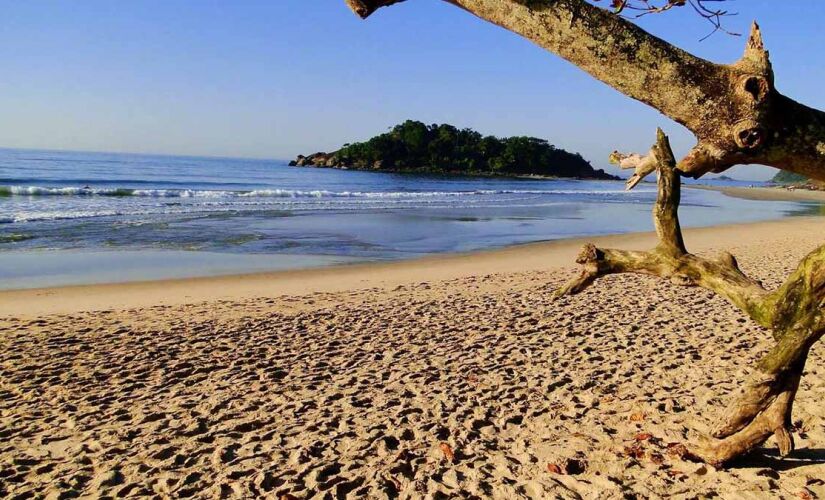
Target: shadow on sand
(770,459)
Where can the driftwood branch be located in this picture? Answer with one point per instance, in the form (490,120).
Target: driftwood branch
(735,111)
(642,166)
(794,312)
(670,258)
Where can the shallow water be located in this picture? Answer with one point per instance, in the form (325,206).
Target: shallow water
(102,202)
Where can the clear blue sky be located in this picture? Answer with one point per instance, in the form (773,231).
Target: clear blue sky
(273,78)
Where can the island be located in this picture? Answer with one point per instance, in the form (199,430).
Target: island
(414,147)
(792,180)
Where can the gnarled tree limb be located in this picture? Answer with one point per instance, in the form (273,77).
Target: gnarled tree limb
(670,259)
(795,312)
(735,111)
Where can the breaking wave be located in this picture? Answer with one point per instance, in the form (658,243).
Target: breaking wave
(269,193)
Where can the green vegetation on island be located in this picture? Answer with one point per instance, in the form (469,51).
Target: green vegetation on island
(444,149)
(785,177)
(797,181)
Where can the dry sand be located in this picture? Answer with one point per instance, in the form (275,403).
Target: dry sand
(353,381)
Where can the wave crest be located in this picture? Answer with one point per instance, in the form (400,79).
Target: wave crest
(269,193)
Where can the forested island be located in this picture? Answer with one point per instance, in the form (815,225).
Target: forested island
(785,177)
(444,149)
(791,179)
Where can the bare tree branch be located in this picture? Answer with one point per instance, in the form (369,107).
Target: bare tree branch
(735,111)
(642,8)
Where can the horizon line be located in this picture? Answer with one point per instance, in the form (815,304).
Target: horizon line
(176,155)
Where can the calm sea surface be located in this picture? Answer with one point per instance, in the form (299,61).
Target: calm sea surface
(68,217)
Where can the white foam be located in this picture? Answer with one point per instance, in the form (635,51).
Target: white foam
(279,193)
(58,215)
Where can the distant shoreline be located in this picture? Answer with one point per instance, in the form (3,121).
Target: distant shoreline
(765,193)
(462,173)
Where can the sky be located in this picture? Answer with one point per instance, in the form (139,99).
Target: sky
(275,78)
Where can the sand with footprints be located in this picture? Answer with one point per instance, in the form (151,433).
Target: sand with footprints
(447,377)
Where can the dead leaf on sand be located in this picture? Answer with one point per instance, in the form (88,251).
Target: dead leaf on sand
(554,469)
(636,451)
(448,452)
(570,466)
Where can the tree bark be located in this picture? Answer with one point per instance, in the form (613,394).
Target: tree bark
(735,111)
(795,312)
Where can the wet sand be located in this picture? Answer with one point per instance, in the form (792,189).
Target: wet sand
(448,376)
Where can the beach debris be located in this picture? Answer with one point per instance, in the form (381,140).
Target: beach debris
(449,454)
(640,449)
(570,466)
(554,469)
(638,416)
(636,451)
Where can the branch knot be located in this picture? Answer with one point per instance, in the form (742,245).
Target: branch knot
(589,254)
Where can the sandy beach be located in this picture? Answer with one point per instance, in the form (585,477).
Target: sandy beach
(453,376)
(768,193)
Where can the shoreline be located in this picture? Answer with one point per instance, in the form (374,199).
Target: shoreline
(458,173)
(765,193)
(538,256)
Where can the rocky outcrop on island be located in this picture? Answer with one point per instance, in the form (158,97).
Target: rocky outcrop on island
(444,149)
(320,159)
(332,160)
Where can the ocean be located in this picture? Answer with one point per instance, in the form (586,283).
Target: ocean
(77,217)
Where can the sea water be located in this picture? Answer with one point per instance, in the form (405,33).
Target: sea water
(151,216)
